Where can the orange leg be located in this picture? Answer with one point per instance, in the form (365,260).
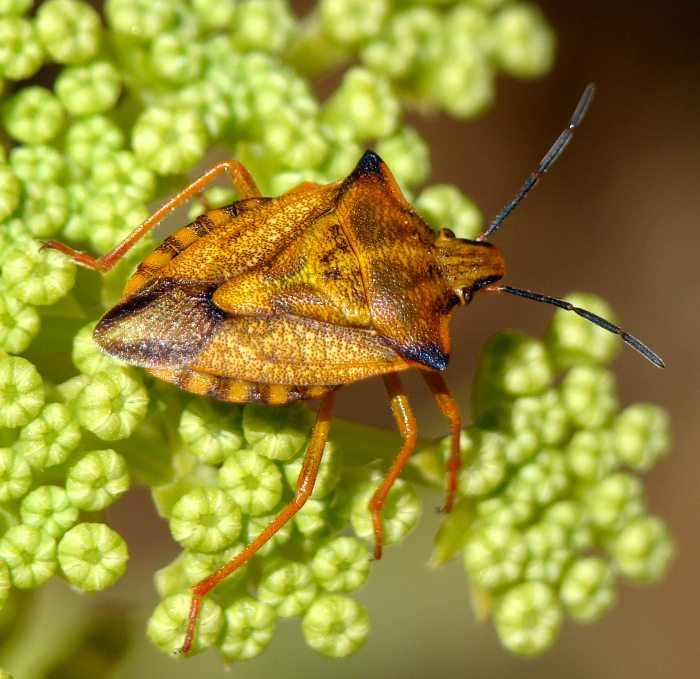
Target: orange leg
(449,408)
(242,182)
(403,415)
(304,487)
(202,200)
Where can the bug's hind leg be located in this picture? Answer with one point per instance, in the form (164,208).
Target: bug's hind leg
(242,181)
(403,414)
(449,408)
(302,491)
(203,200)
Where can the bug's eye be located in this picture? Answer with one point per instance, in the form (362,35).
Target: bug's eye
(464,295)
(447,233)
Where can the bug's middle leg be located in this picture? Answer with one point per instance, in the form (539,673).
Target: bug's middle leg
(403,414)
(449,408)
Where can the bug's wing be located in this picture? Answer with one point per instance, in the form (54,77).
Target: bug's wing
(289,349)
(407,296)
(176,326)
(163,325)
(252,238)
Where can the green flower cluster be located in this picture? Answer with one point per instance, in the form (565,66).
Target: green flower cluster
(100,115)
(236,473)
(551,511)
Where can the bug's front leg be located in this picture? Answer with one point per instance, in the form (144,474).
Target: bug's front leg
(304,487)
(449,408)
(403,414)
(242,182)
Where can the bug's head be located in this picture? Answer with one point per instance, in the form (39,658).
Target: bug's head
(471,265)
(467,265)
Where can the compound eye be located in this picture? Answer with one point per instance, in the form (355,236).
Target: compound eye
(464,295)
(447,233)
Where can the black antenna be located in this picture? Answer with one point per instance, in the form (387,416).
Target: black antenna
(636,344)
(551,155)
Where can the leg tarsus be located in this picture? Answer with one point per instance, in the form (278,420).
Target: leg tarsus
(195,605)
(81,258)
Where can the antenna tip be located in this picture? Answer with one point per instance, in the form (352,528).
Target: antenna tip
(659,362)
(643,349)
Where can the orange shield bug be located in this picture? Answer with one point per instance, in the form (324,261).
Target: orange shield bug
(279,299)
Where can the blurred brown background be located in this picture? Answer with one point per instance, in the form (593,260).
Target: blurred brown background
(616,216)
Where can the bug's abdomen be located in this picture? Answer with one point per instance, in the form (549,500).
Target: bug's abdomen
(179,241)
(239,391)
(172,246)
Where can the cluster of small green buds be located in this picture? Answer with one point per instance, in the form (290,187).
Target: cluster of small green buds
(551,512)
(445,54)
(239,471)
(104,111)
(219,73)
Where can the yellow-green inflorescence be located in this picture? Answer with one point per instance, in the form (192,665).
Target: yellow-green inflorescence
(105,115)
(553,508)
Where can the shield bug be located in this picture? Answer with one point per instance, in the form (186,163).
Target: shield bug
(279,299)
